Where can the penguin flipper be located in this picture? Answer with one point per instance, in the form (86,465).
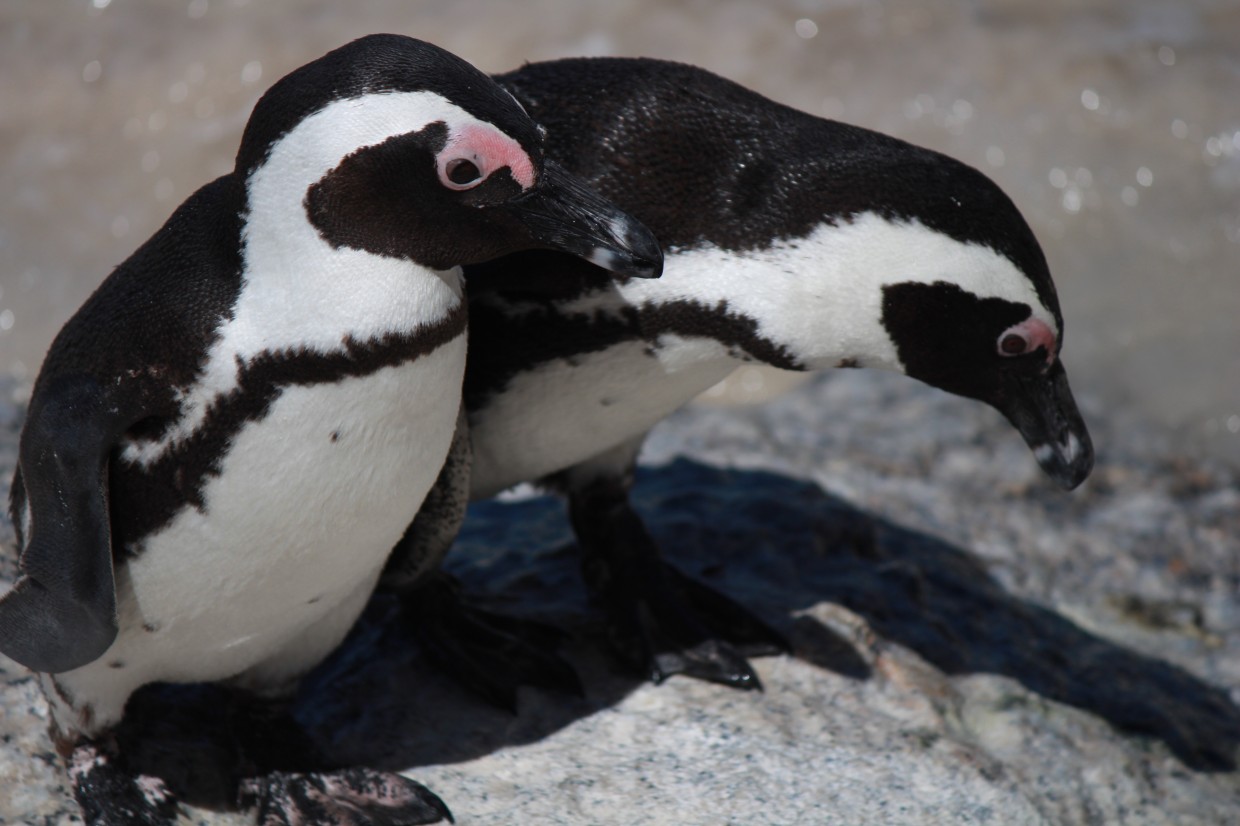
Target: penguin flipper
(61,613)
(660,620)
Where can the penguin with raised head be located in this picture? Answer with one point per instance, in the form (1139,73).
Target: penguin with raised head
(230,435)
(789,240)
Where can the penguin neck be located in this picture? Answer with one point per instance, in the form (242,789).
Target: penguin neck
(804,303)
(326,291)
(308,294)
(296,279)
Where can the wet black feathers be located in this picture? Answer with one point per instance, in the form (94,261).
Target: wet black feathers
(702,160)
(151,322)
(379,63)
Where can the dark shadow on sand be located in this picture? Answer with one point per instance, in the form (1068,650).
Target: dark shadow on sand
(777,545)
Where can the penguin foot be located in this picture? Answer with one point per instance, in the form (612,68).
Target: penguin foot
(658,619)
(110,796)
(350,797)
(669,624)
(490,654)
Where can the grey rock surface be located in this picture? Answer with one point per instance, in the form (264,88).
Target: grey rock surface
(972,645)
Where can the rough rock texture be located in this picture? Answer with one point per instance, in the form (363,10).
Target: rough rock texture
(972,645)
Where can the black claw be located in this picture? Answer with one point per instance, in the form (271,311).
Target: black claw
(350,797)
(110,796)
(489,654)
(729,619)
(659,620)
(671,624)
(714,661)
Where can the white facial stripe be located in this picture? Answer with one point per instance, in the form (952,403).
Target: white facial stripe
(821,295)
(277,190)
(297,291)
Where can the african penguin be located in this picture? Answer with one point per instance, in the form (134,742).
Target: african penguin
(790,240)
(230,435)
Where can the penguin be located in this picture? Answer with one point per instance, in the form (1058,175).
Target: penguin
(227,439)
(789,240)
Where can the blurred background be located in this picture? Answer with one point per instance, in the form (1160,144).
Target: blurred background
(1115,126)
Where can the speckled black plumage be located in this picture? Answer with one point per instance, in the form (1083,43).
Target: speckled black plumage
(647,135)
(378,63)
(503,346)
(145,498)
(780,172)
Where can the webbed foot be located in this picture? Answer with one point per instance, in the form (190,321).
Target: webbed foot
(111,796)
(350,797)
(659,620)
(489,654)
(666,623)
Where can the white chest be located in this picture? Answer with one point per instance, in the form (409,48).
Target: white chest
(308,503)
(309,497)
(266,579)
(559,414)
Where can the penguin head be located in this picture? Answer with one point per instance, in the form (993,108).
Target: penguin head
(398,148)
(974,310)
(906,259)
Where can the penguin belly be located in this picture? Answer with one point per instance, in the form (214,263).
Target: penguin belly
(264,580)
(563,412)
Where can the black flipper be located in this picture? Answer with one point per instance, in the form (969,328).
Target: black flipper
(659,620)
(61,614)
(490,654)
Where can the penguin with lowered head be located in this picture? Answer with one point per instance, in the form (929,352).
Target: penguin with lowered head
(789,240)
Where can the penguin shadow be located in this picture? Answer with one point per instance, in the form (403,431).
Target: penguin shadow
(776,544)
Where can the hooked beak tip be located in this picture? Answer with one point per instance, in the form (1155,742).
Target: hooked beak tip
(1069,462)
(566,215)
(631,265)
(635,252)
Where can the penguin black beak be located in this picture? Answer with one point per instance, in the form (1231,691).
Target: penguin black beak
(1042,408)
(562,213)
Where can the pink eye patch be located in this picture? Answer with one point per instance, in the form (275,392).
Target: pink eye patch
(489,150)
(1026,337)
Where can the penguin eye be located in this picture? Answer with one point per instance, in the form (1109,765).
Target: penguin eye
(461,173)
(1029,336)
(1013,344)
